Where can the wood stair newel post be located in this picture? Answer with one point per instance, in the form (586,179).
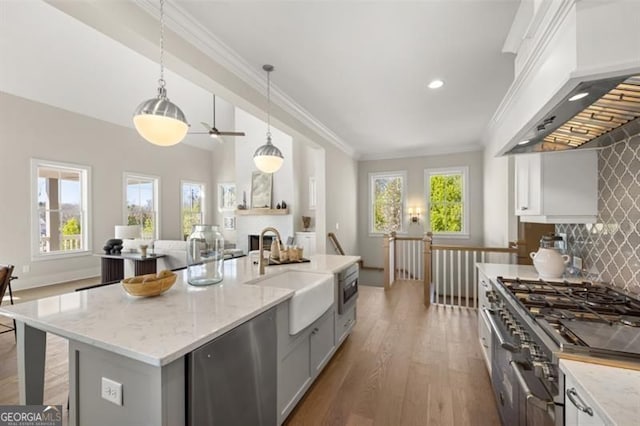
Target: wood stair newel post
(428,240)
(385,272)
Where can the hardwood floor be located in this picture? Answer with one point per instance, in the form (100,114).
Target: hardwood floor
(402,365)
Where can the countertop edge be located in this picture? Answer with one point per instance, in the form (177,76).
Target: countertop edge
(157,362)
(329,264)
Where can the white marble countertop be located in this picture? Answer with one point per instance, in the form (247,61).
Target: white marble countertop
(526,272)
(614,392)
(159,330)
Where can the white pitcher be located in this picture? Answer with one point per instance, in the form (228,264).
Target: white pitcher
(549,263)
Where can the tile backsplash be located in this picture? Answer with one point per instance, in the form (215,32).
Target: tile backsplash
(610,248)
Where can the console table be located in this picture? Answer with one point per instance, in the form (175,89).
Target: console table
(112,265)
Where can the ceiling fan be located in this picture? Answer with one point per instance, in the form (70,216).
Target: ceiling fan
(212,130)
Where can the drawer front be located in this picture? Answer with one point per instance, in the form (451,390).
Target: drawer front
(484,285)
(344,324)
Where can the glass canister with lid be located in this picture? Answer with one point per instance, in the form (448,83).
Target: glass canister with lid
(205,255)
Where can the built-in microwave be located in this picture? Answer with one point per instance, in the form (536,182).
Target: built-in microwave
(347,288)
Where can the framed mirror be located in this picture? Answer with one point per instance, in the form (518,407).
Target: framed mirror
(261,186)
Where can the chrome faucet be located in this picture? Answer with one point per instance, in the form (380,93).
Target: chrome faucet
(261,246)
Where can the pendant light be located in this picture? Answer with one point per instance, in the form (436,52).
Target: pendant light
(159,120)
(268,158)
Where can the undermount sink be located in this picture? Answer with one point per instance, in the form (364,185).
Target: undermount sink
(314,294)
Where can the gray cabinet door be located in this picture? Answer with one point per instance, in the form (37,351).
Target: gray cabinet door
(321,342)
(294,376)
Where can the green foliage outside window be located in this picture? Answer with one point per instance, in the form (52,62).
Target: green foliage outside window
(144,217)
(387,204)
(71,227)
(446,203)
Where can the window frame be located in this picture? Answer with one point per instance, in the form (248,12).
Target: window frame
(156,199)
(203,202)
(403,204)
(461,170)
(85,224)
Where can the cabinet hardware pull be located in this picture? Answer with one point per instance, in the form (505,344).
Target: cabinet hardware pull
(524,208)
(573,395)
(540,403)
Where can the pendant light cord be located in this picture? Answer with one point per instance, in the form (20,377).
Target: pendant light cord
(268,106)
(161,82)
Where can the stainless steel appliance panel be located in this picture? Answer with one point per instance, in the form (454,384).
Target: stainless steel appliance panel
(232,380)
(347,288)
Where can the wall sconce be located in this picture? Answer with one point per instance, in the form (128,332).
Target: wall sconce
(414,216)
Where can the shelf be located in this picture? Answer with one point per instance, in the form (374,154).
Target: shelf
(262,212)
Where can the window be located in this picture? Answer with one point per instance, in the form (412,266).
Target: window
(141,203)
(192,206)
(386,192)
(60,209)
(447,197)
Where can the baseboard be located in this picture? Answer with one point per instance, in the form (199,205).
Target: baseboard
(25,282)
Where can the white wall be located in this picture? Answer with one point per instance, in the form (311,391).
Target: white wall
(29,129)
(305,159)
(371,246)
(223,165)
(283,179)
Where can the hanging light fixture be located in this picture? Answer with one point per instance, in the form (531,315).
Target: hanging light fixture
(268,158)
(159,120)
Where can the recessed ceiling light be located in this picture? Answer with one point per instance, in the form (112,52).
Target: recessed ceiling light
(524,142)
(436,84)
(578,96)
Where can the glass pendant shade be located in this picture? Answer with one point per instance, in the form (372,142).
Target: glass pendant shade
(160,121)
(268,158)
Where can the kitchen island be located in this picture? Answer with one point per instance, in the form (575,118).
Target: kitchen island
(143,343)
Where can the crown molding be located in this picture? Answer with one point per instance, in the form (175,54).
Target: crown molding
(181,22)
(543,29)
(427,151)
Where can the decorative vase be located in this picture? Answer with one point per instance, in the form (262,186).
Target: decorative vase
(549,263)
(205,255)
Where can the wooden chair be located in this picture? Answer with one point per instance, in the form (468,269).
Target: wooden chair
(5,282)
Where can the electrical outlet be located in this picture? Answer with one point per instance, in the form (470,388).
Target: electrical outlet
(26,269)
(577,263)
(111,391)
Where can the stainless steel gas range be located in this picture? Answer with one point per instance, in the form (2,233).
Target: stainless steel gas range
(532,321)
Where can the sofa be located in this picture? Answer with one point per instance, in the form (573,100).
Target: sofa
(174,251)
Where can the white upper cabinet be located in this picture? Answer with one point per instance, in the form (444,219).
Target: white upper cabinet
(557,187)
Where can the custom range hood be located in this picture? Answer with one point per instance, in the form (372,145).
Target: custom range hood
(565,48)
(593,115)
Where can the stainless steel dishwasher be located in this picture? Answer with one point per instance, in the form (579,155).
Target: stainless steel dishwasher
(232,380)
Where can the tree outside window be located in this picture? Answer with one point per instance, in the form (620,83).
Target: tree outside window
(446,198)
(141,203)
(60,202)
(192,206)
(387,201)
